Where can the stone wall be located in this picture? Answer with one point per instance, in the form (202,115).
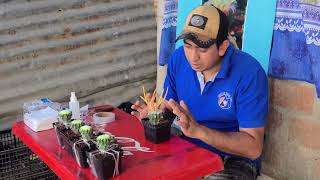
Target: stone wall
(292,147)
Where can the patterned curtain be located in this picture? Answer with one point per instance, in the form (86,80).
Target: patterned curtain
(295,50)
(168,32)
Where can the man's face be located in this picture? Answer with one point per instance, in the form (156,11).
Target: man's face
(201,59)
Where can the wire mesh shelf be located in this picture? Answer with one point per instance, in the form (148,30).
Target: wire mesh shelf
(17,161)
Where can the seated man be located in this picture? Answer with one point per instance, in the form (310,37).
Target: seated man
(219,93)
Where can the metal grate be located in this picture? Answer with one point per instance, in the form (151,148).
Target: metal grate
(18,162)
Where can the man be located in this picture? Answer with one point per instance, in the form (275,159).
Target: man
(222,94)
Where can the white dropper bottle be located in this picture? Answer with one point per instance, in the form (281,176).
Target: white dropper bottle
(74,106)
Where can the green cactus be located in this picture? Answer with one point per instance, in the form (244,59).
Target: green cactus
(75,125)
(86,132)
(155,117)
(103,142)
(65,117)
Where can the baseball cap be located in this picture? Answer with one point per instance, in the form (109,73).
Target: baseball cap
(205,25)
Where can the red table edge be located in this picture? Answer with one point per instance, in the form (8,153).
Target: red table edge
(28,141)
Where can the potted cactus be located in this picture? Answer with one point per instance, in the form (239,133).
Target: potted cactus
(71,135)
(106,161)
(75,125)
(84,145)
(157,125)
(64,119)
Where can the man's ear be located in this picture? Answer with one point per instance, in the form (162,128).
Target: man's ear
(223,47)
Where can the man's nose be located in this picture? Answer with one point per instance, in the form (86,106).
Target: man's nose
(194,55)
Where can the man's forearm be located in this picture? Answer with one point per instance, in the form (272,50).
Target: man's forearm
(237,143)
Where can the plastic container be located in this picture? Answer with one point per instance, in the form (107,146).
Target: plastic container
(74,106)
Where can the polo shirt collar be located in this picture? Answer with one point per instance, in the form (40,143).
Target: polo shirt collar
(226,63)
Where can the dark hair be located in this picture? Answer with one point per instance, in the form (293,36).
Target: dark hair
(223,28)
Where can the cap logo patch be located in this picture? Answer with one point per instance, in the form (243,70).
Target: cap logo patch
(198,21)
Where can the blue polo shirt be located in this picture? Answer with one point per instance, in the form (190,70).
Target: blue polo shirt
(236,98)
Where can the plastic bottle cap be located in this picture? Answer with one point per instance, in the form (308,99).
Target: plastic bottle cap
(73,97)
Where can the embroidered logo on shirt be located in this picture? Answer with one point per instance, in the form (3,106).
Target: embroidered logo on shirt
(224,100)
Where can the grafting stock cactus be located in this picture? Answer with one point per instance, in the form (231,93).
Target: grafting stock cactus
(75,125)
(155,117)
(86,132)
(104,141)
(65,117)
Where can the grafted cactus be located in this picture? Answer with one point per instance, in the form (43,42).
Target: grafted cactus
(104,141)
(86,132)
(75,125)
(155,117)
(65,117)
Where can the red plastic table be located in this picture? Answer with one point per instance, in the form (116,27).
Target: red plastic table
(173,159)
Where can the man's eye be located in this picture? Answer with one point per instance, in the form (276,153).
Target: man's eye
(203,50)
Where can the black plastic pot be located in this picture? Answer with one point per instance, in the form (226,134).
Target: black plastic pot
(157,133)
(69,138)
(168,115)
(160,132)
(58,127)
(81,150)
(96,134)
(103,164)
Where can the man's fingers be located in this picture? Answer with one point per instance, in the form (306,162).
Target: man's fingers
(174,106)
(136,114)
(165,105)
(184,106)
(135,105)
(183,125)
(178,110)
(138,106)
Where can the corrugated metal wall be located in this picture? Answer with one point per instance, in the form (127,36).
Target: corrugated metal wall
(104,50)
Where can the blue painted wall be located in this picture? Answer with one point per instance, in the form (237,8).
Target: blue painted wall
(258,29)
(184,7)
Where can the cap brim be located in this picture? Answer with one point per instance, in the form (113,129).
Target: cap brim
(195,39)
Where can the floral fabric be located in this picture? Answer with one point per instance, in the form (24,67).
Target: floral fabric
(295,50)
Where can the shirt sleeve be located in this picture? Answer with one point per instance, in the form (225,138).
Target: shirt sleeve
(170,83)
(252,100)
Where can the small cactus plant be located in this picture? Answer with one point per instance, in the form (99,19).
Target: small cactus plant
(86,132)
(155,115)
(104,141)
(75,125)
(157,125)
(65,117)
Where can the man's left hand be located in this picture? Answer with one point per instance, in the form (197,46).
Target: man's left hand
(188,125)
